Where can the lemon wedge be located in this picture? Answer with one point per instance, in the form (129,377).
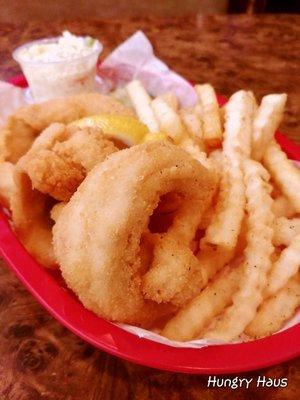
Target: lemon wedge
(126,129)
(153,137)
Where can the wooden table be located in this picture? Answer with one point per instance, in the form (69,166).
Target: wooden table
(39,359)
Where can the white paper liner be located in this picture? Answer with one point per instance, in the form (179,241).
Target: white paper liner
(133,59)
(144,333)
(195,344)
(11,98)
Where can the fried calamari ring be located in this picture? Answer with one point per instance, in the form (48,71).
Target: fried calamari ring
(98,234)
(61,156)
(17,136)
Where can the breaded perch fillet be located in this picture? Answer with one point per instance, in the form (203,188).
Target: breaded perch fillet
(28,122)
(61,156)
(31,219)
(6,183)
(53,168)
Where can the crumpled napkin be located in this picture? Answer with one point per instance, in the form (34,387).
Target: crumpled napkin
(135,59)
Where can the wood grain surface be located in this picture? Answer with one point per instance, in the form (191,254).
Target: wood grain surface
(28,10)
(39,359)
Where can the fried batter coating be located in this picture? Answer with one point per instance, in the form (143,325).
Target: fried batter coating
(56,209)
(51,170)
(98,234)
(31,219)
(28,122)
(61,156)
(7,183)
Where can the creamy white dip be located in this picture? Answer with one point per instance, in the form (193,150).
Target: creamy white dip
(59,66)
(67,47)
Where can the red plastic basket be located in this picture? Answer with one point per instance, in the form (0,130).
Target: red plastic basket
(50,290)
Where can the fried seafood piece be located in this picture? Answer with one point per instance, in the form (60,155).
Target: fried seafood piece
(17,136)
(56,209)
(51,170)
(98,234)
(61,156)
(7,184)
(31,219)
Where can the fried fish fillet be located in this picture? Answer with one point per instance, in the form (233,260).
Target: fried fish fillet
(31,219)
(51,171)
(28,122)
(7,184)
(61,156)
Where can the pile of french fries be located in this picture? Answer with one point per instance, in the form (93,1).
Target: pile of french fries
(250,248)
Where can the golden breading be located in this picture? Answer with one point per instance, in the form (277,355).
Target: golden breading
(98,233)
(61,156)
(28,122)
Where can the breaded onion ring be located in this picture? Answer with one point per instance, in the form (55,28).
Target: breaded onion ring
(61,156)
(98,234)
(28,122)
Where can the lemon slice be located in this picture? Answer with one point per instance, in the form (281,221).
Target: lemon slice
(153,137)
(126,129)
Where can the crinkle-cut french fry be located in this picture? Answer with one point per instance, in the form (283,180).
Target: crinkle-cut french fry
(284,172)
(257,257)
(168,119)
(198,110)
(141,103)
(171,99)
(282,207)
(212,129)
(192,318)
(7,184)
(192,123)
(226,223)
(191,147)
(276,310)
(284,268)
(267,120)
(239,114)
(285,230)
